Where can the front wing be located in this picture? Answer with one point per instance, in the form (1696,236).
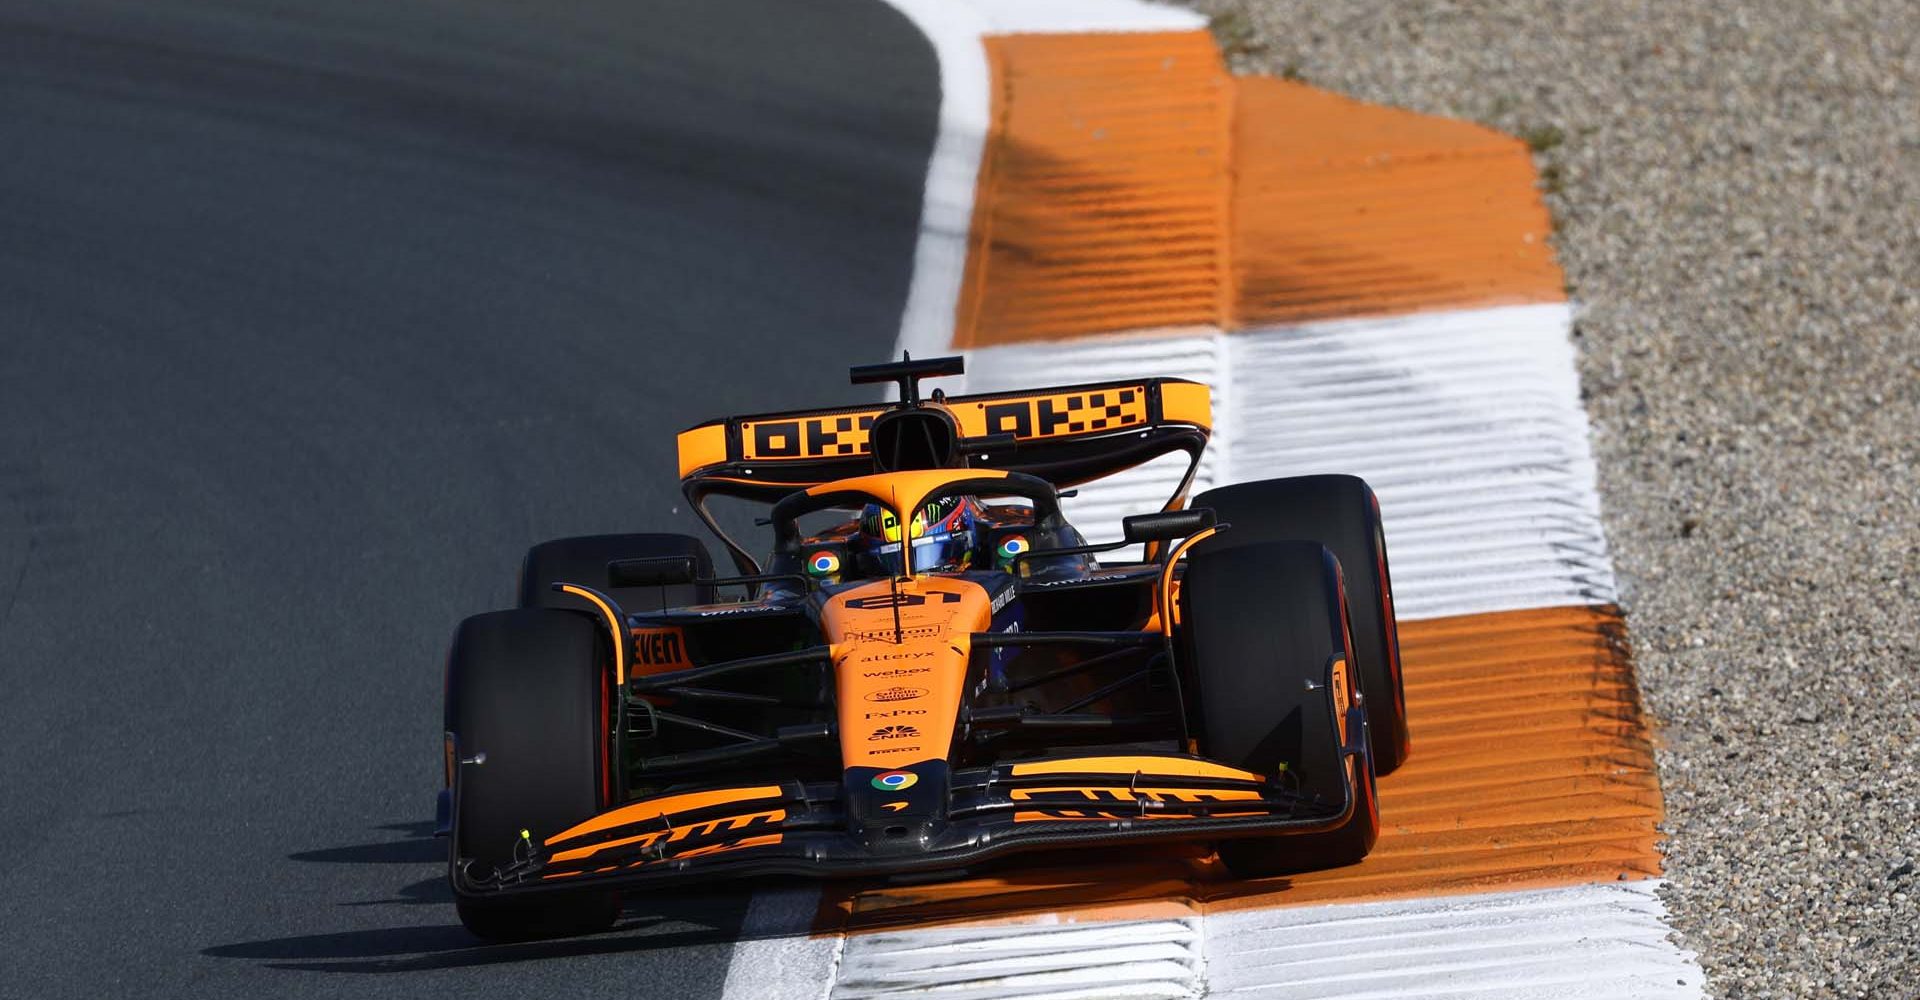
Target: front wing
(920,819)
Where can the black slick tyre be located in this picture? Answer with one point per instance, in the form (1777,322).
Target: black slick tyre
(583,560)
(1259,625)
(1341,513)
(527,689)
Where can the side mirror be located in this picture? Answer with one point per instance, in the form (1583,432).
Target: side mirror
(989,443)
(1166,525)
(667,571)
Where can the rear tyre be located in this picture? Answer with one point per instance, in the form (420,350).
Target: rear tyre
(1259,622)
(1341,513)
(527,689)
(583,560)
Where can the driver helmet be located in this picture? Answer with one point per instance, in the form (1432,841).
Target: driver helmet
(940,537)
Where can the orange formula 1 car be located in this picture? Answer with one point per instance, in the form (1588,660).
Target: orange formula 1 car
(932,669)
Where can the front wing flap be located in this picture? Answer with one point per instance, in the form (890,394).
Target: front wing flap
(923,818)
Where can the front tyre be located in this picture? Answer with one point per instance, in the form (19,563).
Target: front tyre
(1341,513)
(1260,623)
(527,688)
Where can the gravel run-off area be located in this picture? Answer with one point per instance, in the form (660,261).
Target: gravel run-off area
(1736,198)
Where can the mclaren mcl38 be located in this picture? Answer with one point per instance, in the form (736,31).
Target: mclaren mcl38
(931,669)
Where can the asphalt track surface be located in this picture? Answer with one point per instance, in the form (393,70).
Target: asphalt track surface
(313,315)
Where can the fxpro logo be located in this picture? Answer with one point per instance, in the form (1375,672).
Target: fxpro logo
(897,713)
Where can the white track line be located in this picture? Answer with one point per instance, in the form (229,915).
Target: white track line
(955,28)
(946,210)
(776,956)
(1598,941)
(1057,960)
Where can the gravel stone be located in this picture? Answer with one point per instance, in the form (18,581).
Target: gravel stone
(1736,194)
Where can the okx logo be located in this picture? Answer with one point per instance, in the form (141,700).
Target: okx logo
(894,733)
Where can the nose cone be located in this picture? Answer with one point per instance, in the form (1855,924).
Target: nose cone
(901,658)
(892,812)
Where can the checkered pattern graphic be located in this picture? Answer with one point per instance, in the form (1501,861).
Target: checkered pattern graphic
(841,436)
(1061,414)
(1111,415)
(1028,417)
(1089,412)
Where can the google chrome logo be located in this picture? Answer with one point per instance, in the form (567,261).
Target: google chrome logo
(895,781)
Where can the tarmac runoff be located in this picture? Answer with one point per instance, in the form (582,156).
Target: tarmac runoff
(315,316)
(1368,291)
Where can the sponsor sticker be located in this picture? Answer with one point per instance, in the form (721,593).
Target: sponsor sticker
(897,693)
(895,781)
(839,435)
(887,635)
(894,657)
(895,672)
(894,733)
(660,649)
(881,602)
(1058,414)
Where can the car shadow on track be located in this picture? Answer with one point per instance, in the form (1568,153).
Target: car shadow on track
(705,918)
(427,948)
(1121,882)
(1091,881)
(419,847)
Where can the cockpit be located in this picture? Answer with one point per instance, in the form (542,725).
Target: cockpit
(944,484)
(936,521)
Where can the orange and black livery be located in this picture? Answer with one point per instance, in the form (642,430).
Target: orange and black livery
(927,666)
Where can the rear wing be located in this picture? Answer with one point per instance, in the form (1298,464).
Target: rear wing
(1066,435)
